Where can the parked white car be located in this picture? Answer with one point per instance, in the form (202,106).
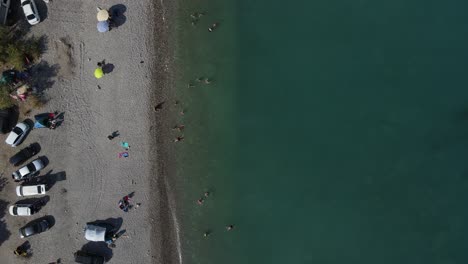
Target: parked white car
(21,209)
(26,171)
(30,190)
(30,11)
(17,135)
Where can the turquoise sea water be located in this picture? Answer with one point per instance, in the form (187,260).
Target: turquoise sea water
(333,131)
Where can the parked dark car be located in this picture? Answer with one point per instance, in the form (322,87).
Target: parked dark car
(34,228)
(25,154)
(5,120)
(84,257)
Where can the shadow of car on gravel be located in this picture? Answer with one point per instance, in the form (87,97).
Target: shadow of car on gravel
(115,222)
(38,203)
(49,179)
(117,13)
(98,248)
(42,9)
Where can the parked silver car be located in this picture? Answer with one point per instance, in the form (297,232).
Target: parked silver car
(30,11)
(17,135)
(26,171)
(30,190)
(21,210)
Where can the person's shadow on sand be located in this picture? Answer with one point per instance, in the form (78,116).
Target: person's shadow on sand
(117,13)
(108,68)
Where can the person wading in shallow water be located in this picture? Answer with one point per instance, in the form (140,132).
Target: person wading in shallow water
(213,27)
(178,127)
(200,201)
(229,227)
(177,139)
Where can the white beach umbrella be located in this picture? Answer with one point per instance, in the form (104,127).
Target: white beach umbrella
(102,15)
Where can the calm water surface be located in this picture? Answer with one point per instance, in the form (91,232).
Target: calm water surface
(333,131)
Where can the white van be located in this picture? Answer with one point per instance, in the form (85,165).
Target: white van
(30,190)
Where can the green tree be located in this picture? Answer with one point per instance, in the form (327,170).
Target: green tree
(5,100)
(14,48)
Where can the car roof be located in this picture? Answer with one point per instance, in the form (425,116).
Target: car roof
(22,125)
(32,189)
(23,171)
(11,138)
(28,10)
(23,210)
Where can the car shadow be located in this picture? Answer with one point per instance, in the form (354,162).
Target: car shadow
(42,9)
(98,248)
(37,203)
(52,179)
(117,13)
(115,222)
(49,179)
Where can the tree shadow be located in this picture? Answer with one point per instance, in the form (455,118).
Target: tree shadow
(4,232)
(98,248)
(117,13)
(41,76)
(3,182)
(43,43)
(42,9)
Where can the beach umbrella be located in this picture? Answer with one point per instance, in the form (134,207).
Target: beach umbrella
(98,73)
(102,15)
(103,26)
